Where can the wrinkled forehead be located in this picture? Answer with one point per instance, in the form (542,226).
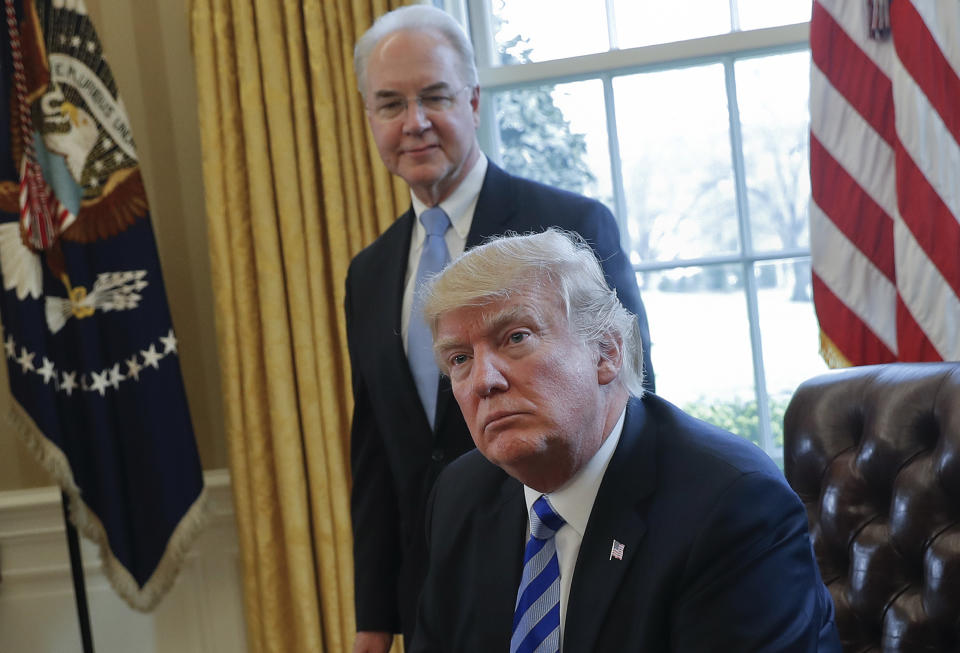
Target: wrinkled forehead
(413,58)
(531,303)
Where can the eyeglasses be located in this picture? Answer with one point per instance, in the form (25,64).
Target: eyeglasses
(392,107)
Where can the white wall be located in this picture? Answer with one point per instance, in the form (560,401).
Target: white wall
(202,613)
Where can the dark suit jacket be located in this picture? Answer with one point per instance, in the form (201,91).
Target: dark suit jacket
(716,555)
(395,458)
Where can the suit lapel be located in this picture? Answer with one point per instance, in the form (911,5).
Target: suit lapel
(500,539)
(496,206)
(388,296)
(617,515)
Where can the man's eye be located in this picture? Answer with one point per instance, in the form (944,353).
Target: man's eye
(459,359)
(518,336)
(435,101)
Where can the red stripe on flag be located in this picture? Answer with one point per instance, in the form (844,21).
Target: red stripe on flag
(854,212)
(853,338)
(928,218)
(922,58)
(912,342)
(852,73)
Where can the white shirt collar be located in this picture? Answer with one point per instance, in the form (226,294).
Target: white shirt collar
(574,501)
(460,205)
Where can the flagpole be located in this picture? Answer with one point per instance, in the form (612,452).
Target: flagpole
(79,586)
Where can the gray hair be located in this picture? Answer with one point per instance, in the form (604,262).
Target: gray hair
(416,17)
(554,259)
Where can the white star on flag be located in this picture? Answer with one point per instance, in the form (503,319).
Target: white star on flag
(100,382)
(115,376)
(151,357)
(133,368)
(47,370)
(169,343)
(10,347)
(26,360)
(69,382)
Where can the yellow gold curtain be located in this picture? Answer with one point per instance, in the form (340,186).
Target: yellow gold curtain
(294,188)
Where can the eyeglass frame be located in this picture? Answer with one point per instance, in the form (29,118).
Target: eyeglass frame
(419,98)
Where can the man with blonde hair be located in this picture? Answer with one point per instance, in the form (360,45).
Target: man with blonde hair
(646,529)
(416,72)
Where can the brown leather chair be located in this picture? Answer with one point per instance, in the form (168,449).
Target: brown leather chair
(874,453)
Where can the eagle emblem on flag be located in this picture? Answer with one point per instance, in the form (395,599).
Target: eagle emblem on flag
(91,353)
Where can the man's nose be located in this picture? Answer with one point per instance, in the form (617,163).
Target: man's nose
(488,374)
(415,119)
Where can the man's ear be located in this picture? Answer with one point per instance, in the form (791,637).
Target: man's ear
(610,358)
(475,105)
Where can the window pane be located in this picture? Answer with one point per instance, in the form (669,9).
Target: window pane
(552,134)
(540,30)
(677,175)
(772,95)
(755,14)
(789,331)
(647,22)
(701,344)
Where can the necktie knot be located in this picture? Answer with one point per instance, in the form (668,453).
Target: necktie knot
(435,221)
(544,520)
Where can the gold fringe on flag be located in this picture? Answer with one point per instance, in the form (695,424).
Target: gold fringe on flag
(831,353)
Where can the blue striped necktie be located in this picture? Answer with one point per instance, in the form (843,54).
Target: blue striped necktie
(419,339)
(536,620)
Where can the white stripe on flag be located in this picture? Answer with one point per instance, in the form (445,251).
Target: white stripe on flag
(852,277)
(930,144)
(852,142)
(926,294)
(942,19)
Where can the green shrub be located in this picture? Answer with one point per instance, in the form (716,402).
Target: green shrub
(740,416)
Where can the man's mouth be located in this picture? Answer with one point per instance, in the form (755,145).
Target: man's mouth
(422,149)
(499,418)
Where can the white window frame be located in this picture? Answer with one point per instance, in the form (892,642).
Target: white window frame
(724,49)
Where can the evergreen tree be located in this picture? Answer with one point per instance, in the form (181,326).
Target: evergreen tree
(536,140)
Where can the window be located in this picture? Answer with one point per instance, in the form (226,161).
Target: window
(689,120)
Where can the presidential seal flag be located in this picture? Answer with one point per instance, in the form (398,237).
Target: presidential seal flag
(91,353)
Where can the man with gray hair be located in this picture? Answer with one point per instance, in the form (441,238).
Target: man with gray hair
(416,72)
(646,529)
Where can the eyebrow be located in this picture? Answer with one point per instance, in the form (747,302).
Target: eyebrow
(494,322)
(432,88)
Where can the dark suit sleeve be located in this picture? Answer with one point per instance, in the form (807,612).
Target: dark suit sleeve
(601,231)
(373,508)
(751,582)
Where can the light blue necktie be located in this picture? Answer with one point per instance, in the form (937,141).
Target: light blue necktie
(419,340)
(536,620)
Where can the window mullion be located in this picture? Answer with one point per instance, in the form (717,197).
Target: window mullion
(616,165)
(749,278)
(612,25)
(488,134)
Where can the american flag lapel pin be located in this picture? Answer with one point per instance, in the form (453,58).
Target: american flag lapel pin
(616,551)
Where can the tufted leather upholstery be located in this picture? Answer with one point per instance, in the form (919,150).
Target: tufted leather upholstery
(874,453)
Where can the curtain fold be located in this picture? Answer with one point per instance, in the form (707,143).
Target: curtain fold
(294,188)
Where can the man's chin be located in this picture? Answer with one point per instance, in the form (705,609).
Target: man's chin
(512,452)
(427,175)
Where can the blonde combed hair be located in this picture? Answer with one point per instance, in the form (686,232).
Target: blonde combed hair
(555,260)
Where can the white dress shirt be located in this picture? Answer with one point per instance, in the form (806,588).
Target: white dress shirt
(459,207)
(574,502)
